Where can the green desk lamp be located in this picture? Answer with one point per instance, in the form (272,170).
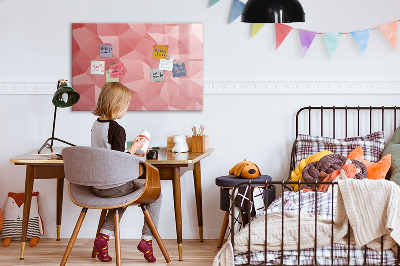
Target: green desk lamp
(64,97)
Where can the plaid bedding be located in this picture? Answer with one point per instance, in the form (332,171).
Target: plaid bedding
(323,207)
(372,145)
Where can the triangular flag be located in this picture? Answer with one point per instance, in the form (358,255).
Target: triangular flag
(361,37)
(306,39)
(281,31)
(332,41)
(256,28)
(213,2)
(390,32)
(237,9)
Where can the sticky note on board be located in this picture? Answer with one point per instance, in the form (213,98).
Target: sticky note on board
(97,67)
(106,50)
(110,79)
(179,70)
(117,70)
(156,75)
(166,64)
(160,51)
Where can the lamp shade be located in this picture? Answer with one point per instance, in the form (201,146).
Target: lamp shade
(65,96)
(273,11)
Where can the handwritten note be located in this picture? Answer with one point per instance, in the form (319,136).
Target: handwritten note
(110,79)
(117,70)
(166,64)
(97,67)
(160,51)
(156,75)
(179,70)
(106,50)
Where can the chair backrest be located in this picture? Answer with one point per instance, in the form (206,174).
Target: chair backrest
(91,166)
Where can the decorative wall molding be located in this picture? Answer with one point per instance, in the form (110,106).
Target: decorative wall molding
(302,87)
(248,87)
(28,88)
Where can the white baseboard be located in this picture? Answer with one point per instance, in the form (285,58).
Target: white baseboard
(247,87)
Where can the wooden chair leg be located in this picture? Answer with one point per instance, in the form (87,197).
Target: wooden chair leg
(73,237)
(101,222)
(117,238)
(154,230)
(223,229)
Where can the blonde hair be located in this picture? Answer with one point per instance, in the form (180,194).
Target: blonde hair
(113,97)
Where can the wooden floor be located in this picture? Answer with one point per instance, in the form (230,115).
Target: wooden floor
(50,252)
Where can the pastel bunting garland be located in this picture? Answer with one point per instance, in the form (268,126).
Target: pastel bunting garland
(256,27)
(281,31)
(361,37)
(389,30)
(237,8)
(306,39)
(213,2)
(332,42)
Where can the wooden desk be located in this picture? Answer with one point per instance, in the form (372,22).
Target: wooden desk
(168,164)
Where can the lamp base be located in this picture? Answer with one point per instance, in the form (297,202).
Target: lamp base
(50,146)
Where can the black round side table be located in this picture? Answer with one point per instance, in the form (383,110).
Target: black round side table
(228,182)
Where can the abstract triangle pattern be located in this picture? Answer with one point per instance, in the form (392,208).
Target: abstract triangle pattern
(133,44)
(306,39)
(281,31)
(237,9)
(361,38)
(389,30)
(332,41)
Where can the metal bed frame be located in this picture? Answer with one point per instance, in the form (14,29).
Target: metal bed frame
(283,184)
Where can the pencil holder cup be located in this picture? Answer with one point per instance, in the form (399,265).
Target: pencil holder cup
(200,143)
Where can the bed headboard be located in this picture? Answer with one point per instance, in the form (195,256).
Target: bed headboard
(344,121)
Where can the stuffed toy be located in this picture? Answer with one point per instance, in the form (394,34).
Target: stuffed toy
(328,164)
(180,144)
(13,215)
(245,169)
(375,170)
(348,170)
(296,174)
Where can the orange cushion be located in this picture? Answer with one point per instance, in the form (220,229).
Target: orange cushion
(375,170)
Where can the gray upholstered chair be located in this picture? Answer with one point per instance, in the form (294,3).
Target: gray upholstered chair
(85,167)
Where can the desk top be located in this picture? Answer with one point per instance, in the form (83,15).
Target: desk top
(164,157)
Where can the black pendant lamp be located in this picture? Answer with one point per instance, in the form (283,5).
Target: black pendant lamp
(273,11)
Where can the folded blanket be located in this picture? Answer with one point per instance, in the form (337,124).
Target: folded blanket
(373,209)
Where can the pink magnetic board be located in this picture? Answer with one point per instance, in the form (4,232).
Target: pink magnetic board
(132,45)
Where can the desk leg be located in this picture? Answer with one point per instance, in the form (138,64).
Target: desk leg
(27,206)
(199,204)
(60,190)
(176,182)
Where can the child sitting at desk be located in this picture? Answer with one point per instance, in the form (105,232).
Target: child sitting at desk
(112,104)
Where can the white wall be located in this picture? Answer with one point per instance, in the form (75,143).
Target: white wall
(36,47)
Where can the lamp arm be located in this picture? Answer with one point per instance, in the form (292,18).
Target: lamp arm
(54,126)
